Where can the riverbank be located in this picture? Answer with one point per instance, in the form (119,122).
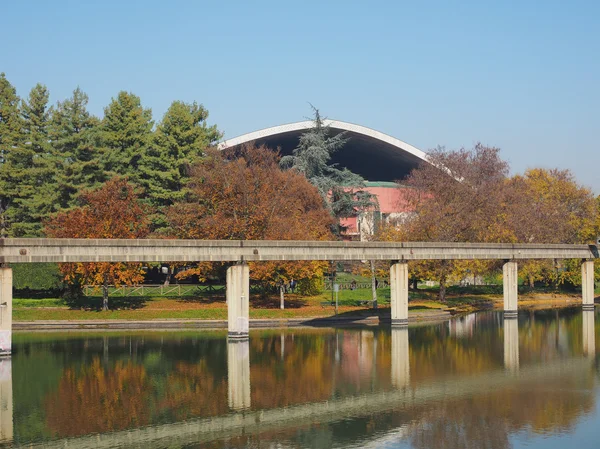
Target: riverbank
(367,318)
(211,313)
(209,307)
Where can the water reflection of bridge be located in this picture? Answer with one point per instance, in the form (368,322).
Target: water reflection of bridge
(404,395)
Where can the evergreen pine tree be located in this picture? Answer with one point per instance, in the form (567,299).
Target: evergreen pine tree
(125,134)
(31,169)
(10,133)
(180,140)
(342,190)
(72,135)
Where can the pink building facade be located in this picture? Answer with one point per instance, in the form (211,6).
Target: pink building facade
(393,205)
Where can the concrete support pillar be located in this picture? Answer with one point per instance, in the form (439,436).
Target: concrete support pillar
(399,293)
(511,345)
(6,401)
(238,374)
(587,284)
(400,359)
(511,284)
(238,300)
(6,286)
(589,334)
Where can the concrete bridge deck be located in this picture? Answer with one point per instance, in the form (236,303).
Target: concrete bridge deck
(25,250)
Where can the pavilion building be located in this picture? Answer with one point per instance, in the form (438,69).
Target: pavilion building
(382,160)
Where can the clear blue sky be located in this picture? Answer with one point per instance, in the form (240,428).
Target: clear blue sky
(522,75)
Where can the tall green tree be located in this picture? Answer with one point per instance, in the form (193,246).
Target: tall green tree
(342,191)
(10,132)
(180,140)
(31,168)
(72,133)
(125,135)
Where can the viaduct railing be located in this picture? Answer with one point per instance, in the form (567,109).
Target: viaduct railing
(155,290)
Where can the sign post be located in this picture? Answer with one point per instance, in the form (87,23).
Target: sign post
(336,289)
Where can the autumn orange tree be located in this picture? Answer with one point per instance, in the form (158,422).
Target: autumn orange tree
(454,199)
(245,195)
(114,211)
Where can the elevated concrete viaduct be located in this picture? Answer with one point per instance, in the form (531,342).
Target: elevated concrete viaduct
(239,252)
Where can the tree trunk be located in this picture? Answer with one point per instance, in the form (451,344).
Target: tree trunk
(281,297)
(332,280)
(105,294)
(168,278)
(373,285)
(415,283)
(443,278)
(555,286)
(442,295)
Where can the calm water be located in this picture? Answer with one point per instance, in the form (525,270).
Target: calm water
(475,382)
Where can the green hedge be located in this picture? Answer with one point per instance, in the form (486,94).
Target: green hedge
(36,277)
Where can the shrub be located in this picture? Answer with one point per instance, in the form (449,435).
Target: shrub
(34,280)
(310,286)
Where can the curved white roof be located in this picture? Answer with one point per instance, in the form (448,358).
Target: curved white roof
(336,124)
(372,154)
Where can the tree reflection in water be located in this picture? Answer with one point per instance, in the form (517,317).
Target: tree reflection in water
(103,384)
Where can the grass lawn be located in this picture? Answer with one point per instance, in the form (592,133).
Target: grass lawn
(163,308)
(210,307)
(19,303)
(346,278)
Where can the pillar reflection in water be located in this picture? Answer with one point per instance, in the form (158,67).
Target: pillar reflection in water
(6,401)
(238,374)
(400,364)
(511,344)
(589,334)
